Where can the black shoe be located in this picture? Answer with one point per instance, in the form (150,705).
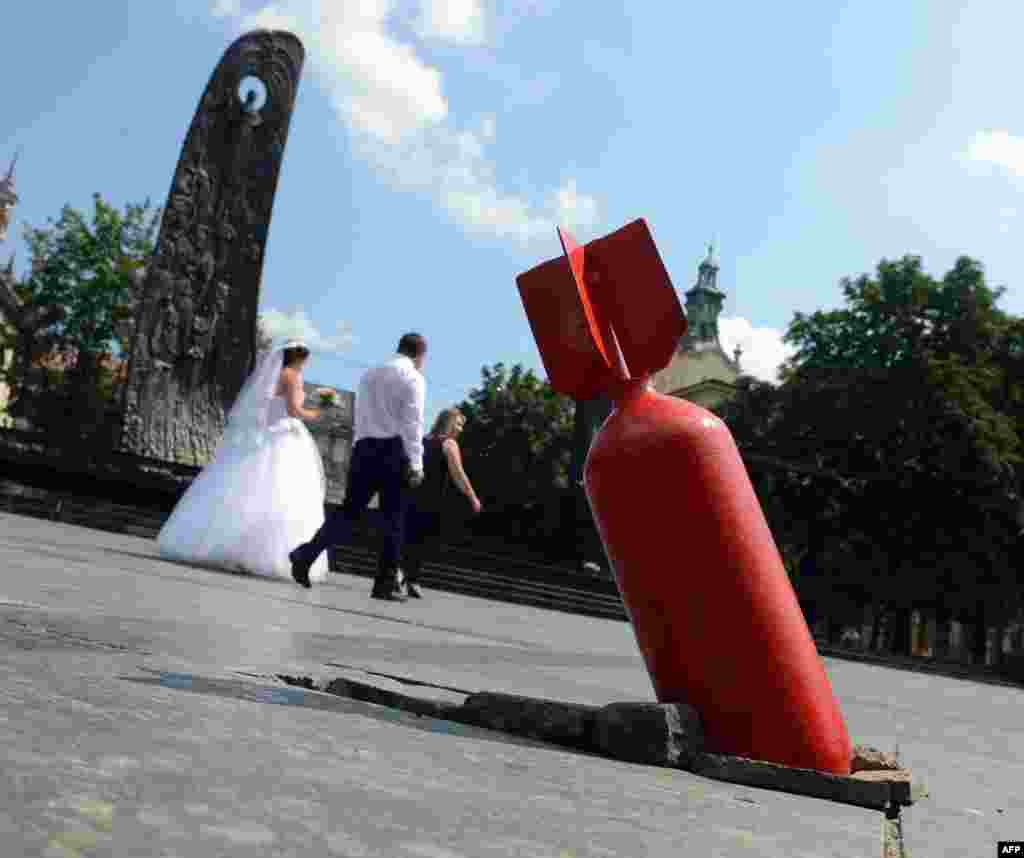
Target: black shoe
(300,569)
(412,590)
(389,596)
(389,586)
(392,593)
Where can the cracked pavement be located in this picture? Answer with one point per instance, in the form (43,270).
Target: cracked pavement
(139,716)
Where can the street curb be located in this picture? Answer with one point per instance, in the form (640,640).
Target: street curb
(576,726)
(568,724)
(873,794)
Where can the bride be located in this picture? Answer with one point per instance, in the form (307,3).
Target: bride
(263,493)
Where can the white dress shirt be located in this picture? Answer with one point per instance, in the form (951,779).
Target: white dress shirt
(390,402)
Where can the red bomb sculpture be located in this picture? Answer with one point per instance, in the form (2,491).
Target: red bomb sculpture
(714,614)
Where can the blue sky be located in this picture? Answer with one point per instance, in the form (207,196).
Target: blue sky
(436,144)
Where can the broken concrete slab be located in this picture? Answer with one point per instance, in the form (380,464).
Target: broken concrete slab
(569,724)
(399,685)
(640,732)
(868,759)
(905,790)
(657,734)
(369,693)
(373,692)
(756,773)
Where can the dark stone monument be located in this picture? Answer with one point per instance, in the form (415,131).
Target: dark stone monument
(195,332)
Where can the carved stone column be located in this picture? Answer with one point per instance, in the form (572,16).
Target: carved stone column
(195,332)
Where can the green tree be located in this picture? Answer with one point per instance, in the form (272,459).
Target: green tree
(86,267)
(915,386)
(517,442)
(73,308)
(783,434)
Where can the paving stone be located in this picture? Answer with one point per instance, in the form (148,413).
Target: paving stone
(659,734)
(905,790)
(848,790)
(550,720)
(868,759)
(77,727)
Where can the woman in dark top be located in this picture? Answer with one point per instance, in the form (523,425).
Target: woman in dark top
(442,473)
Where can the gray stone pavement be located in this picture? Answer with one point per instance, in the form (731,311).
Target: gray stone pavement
(134,721)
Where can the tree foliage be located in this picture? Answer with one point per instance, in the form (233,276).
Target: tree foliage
(906,405)
(517,448)
(71,311)
(85,267)
(518,435)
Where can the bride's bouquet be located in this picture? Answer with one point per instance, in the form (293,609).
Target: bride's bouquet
(328,397)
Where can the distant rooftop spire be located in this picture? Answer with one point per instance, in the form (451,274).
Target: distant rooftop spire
(707,271)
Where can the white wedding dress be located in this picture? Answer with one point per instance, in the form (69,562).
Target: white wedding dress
(260,497)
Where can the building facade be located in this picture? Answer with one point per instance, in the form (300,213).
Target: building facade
(333,434)
(700,370)
(8,200)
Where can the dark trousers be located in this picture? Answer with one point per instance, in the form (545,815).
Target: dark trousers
(378,466)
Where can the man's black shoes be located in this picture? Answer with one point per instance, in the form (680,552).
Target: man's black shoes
(390,586)
(300,569)
(391,592)
(388,595)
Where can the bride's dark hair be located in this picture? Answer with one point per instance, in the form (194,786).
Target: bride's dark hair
(295,354)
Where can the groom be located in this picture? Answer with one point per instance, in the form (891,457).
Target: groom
(387,459)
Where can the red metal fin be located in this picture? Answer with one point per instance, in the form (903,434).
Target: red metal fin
(604,312)
(628,283)
(568,335)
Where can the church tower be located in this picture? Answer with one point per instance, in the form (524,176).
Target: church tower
(704,305)
(700,369)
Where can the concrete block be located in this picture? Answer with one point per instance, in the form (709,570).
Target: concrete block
(756,773)
(903,788)
(868,759)
(569,724)
(658,734)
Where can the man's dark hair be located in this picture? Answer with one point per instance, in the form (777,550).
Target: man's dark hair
(412,345)
(295,355)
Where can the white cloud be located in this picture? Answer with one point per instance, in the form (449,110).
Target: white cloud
(453,166)
(280,325)
(488,129)
(999,148)
(393,105)
(457,21)
(763,348)
(574,208)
